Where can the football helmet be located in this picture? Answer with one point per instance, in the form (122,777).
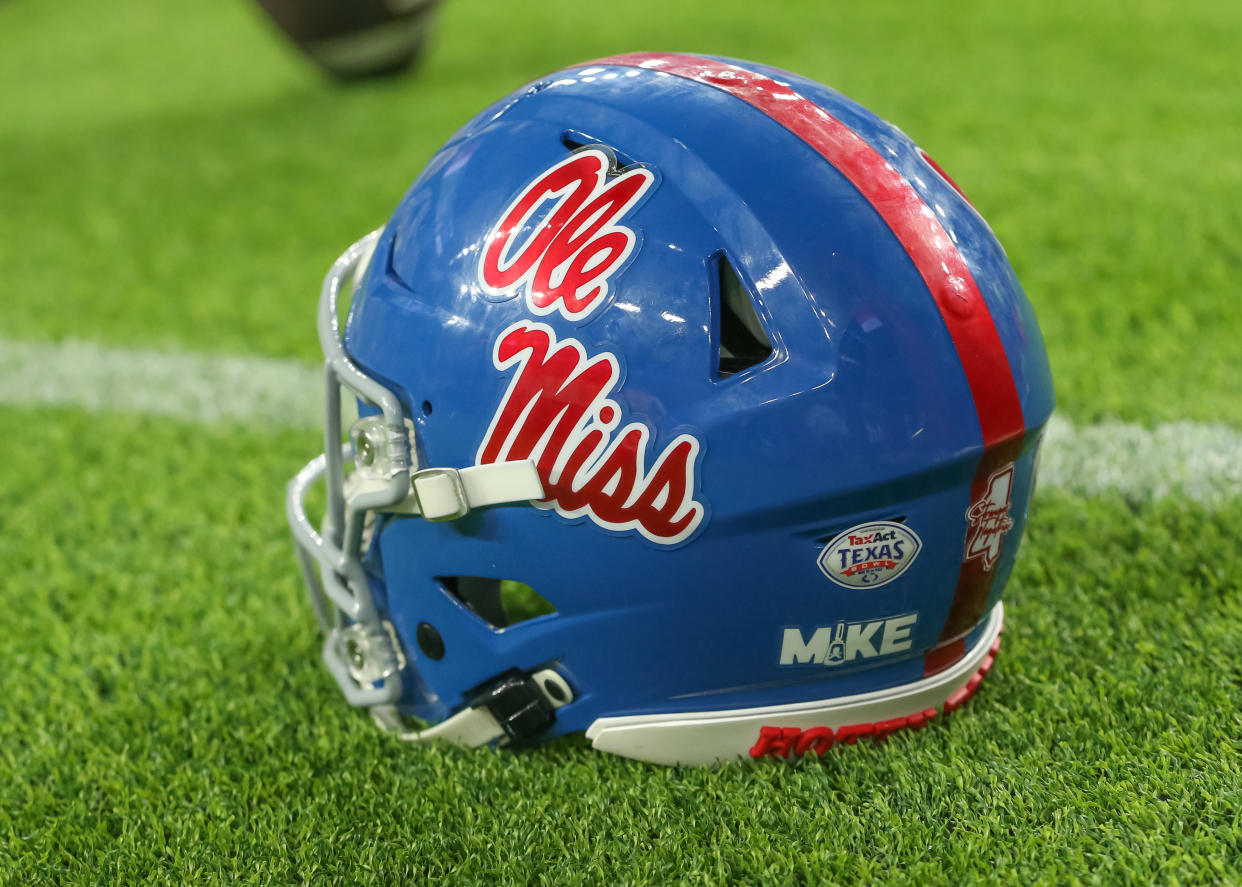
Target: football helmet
(696,409)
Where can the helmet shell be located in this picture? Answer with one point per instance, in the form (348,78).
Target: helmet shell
(863,414)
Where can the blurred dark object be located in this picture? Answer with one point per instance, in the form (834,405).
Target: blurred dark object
(356,39)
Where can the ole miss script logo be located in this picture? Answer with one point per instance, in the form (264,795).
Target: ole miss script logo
(560,408)
(564,263)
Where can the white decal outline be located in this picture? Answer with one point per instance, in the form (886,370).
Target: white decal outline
(606,178)
(986,528)
(611,432)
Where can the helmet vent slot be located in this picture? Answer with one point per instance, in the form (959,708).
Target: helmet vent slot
(577,141)
(854,521)
(742,340)
(500,603)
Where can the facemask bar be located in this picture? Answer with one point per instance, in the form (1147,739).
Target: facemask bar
(338,588)
(361,650)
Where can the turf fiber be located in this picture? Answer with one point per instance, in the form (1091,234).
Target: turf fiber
(172,176)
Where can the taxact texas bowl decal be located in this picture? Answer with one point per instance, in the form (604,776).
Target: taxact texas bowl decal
(870,555)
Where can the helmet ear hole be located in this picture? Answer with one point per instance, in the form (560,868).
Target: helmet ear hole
(500,603)
(741,340)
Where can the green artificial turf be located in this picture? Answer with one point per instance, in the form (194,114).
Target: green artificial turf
(172,176)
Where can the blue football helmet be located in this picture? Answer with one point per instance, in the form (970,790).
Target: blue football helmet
(696,409)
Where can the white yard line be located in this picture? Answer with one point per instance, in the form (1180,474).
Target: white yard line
(197,387)
(1196,461)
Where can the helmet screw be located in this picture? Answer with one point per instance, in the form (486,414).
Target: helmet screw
(354,651)
(365,450)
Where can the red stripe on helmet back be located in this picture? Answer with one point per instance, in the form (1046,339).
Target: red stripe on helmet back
(922,236)
(942,267)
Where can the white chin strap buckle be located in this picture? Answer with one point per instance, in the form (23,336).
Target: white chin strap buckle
(441,494)
(444,494)
(516,707)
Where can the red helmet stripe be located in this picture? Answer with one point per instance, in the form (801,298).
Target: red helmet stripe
(939,263)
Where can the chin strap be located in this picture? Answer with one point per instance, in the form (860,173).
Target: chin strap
(440,494)
(511,709)
(443,494)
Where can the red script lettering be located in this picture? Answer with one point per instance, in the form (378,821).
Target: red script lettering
(558,413)
(565,263)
